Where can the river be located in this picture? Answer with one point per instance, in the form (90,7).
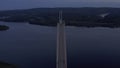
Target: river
(34,46)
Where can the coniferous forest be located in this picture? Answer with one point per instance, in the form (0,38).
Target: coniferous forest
(84,17)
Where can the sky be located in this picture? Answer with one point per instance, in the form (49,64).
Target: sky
(26,4)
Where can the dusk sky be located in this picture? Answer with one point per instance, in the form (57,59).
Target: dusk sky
(26,4)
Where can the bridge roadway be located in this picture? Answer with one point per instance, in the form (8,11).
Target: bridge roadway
(61,61)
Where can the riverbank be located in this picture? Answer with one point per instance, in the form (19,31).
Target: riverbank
(6,65)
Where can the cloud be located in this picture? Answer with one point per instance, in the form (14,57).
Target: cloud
(19,4)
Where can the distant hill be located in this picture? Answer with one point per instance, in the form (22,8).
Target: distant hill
(86,16)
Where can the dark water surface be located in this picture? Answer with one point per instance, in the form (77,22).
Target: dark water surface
(34,46)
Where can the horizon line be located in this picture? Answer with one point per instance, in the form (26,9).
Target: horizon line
(54,7)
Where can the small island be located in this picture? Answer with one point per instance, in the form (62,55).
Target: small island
(3,27)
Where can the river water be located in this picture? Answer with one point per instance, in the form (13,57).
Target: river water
(34,46)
